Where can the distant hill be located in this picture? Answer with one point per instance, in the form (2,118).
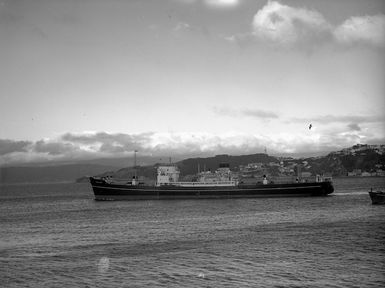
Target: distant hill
(117,162)
(368,158)
(190,166)
(364,157)
(60,173)
(70,171)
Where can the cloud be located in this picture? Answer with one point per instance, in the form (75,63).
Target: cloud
(106,142)
(10,146)
(54,148)
(80,146)
(327,119)
(340,140)
(257,113)
(181,26)
(222,3)
(186,1)
(214,3)
(287,26)
(366,29)
(354,127)
(42,150)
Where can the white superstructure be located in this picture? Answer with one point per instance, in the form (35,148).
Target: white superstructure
(169,175)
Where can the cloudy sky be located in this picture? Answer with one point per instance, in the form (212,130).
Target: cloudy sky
(91,78)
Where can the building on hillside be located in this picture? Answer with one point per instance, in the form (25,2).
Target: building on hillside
(305,174)
(380,173)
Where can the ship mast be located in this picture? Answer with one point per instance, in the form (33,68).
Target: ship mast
(135,168)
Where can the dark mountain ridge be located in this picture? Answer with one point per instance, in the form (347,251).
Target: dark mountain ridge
(190,166)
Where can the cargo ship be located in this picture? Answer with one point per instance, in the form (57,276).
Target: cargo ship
(218,184)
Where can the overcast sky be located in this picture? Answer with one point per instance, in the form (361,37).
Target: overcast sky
(89,78)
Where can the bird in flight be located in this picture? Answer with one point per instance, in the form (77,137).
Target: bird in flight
(310,126)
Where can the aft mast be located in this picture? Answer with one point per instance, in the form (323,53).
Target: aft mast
(135,179)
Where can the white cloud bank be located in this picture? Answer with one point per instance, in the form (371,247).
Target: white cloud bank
(285,25)
(70,146)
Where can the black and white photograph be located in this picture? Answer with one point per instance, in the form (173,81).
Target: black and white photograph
(192,143)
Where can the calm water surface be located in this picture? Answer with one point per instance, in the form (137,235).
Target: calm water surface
(56,235)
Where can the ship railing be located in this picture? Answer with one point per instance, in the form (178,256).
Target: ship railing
(286,179)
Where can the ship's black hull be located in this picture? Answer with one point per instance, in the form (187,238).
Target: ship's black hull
(110,191)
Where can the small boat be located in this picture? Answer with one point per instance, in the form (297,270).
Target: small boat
(378,197)
(220,184)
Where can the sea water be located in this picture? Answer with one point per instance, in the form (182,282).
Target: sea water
(56,235)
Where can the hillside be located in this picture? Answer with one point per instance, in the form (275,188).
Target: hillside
(368,158)
(190,166)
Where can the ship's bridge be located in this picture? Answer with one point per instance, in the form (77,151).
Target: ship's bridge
(167,174)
